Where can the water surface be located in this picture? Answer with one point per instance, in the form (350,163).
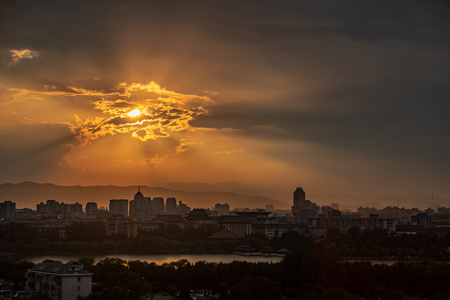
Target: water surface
(160,258)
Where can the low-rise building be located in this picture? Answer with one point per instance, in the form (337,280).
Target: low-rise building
(58,281)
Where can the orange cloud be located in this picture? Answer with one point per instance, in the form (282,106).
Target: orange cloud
(161,113)
(17,55)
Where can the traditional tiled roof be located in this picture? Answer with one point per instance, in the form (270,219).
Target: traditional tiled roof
(234,219)
(198,212)
(224,234)
(169,218)
(71,267)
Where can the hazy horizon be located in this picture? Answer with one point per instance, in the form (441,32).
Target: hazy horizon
(197,195)
(343,97)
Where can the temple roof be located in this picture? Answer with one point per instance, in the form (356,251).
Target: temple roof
(224,234)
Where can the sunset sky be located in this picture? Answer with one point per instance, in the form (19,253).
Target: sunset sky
(334,96)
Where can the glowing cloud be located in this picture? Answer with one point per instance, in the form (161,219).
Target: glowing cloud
(160,112)
(18,55)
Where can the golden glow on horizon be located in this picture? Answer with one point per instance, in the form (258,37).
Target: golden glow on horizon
(134,113)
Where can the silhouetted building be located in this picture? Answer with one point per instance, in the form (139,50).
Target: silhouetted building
(119,206)
(182,208)
(222,209)
(158,204)
(299,197)
(342,222)
(239,225)
(421,220)
(140,206)
(7,210)
(171,205)
(91,208)
(199,216)
(75,208)
(303,209)
(276,229)
(52,208)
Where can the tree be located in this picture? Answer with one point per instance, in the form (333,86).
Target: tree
(256,288)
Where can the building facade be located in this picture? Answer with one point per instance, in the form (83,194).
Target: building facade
(7,210)
(119,206)
(58,281)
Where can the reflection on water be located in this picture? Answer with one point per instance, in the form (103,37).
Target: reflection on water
(160,258)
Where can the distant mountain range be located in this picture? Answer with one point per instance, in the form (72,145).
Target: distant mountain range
(198,195)
(28,194)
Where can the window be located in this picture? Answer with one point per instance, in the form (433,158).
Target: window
(79,278)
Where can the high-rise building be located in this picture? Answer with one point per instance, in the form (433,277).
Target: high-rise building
(75,208)
(91,208)
(140,206)
(7,210)
(302,208)
(171,205)
(299,197)
(158,204)
(119,206)
(222,209)
(182,208)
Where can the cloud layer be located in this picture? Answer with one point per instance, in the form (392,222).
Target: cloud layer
(342,96)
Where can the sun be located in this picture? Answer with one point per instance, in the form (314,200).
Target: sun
(134,113)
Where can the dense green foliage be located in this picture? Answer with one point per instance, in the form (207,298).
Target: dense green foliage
(312,270)
(302,275)
(91,237)
(14,272)
(379,243)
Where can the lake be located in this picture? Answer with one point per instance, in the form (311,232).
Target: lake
(160,258)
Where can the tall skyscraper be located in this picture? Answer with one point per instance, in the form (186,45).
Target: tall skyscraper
(158,204)
(299,197)
(140,206)
(91,208)
(171,205)
(119,206)
(7,210)
(303,209)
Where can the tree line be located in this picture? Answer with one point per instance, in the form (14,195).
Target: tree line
(91,237)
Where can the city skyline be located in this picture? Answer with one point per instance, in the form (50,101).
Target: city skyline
(347,98)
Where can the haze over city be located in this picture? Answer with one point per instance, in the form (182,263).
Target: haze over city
(339,98)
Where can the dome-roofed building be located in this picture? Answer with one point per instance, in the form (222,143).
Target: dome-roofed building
(140,206)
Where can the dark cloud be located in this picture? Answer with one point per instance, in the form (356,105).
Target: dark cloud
(30,151)
(368,79)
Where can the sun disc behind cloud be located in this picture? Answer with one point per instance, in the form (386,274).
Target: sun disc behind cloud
(134,113)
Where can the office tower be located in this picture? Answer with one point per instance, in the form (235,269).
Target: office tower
(158,204)
(91,208)
(119,206)
(171,205)
(7,210)
(140,206)
(299,197)
(222,209)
